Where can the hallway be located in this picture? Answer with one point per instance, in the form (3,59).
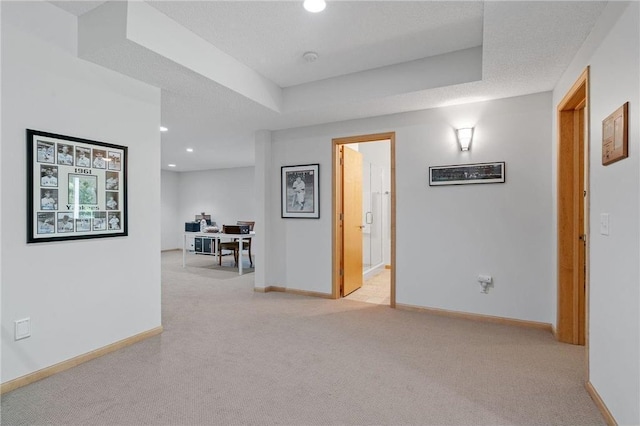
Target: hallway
(375,289)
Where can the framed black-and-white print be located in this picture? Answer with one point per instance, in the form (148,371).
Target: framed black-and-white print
(300,192)
(73,190)
(463,174)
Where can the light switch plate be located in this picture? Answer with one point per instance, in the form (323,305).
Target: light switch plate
(604,223)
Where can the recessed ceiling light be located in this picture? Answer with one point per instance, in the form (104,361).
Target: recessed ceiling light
(163,129)
(314,6)
(171,165)
(189,149)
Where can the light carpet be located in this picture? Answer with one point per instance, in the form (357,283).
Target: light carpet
(232,356)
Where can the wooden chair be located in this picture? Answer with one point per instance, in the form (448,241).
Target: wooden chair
(229,245)
(234,245)
(246,243)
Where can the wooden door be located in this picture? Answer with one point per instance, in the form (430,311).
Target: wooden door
(352,222)
(580,288)
(573,214)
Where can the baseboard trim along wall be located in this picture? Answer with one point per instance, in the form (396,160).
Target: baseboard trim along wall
(477,317)
(292,291)
(73,362)
(608,417)
(173,249)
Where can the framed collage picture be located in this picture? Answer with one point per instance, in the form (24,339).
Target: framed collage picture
(76,188)
(300,191)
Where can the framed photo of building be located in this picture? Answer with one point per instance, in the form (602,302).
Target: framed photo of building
(300,196)
(615,136)
(71,186)
(467,174)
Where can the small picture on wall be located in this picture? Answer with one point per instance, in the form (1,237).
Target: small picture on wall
(299,192)
(615,136)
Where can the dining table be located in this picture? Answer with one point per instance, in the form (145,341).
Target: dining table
(216,236)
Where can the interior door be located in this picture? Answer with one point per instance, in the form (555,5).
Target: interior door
(573,214)
(580,122)
(352,222)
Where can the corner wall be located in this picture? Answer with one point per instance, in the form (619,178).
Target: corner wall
(447,235)
(612,52)
(172,227)
(86,294)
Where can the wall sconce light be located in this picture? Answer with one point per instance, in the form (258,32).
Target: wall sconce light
(464,138)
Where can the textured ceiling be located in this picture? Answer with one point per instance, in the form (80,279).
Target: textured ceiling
(525,46)
(271,37)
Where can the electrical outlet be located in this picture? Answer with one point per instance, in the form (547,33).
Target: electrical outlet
(604,223)
(485,279)
(23,328)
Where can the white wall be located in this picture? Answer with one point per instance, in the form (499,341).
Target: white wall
(612,52)
(80,295)
(172,226)
(227,194)
(446,236)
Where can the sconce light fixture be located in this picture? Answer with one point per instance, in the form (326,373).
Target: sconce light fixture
(464,138)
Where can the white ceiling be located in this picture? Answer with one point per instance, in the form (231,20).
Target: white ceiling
(229,68)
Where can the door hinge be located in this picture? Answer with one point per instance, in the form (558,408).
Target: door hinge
(583,237)
(341,272)
(341,216)
(584,194)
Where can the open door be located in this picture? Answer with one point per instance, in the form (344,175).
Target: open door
(347,228)
(352,219)
(573,213)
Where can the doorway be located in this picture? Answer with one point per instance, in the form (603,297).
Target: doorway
(363,217)
(573,202)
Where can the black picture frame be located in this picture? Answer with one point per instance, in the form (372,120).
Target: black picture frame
(74,205)
(300,191)
(463,174)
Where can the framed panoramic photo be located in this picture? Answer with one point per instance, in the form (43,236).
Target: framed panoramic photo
(73,190)
(467,174)
(300,196)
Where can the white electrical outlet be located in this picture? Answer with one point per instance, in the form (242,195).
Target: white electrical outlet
(604,223)
(485,279)
(485,283)
(23,328)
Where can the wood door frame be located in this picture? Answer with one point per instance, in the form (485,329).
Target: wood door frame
(337,207)
(572,142)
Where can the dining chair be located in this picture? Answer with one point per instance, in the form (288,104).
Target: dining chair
(246,243)
(229,245)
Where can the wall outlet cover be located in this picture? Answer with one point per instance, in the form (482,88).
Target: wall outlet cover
(23,328)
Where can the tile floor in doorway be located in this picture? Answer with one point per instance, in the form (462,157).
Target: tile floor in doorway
(376,289)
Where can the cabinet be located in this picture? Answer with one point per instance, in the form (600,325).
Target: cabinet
(203,245)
